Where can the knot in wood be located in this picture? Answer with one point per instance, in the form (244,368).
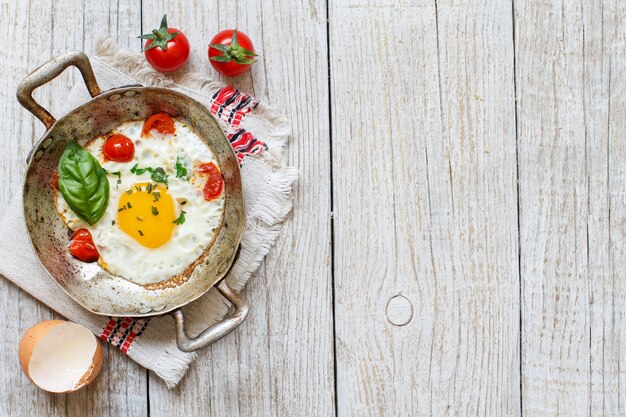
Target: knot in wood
(399,310)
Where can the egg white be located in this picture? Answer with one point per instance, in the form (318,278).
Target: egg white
(121,254)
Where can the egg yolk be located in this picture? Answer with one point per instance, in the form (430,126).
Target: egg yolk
(145,213)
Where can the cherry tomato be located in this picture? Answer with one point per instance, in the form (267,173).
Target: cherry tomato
(166,49)
(54,181)
(82,246)
(118,148)
(81,234)
(161,122)
(214,183)
(231,52)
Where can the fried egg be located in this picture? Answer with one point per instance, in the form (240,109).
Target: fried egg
(153,230)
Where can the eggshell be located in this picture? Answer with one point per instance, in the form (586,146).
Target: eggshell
(94,370)
(30,340)
(36,334)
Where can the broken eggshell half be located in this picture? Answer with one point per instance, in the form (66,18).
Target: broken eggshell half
(59,356)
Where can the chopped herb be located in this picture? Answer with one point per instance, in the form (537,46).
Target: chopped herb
(128,204)
(181,171)
(121,208)
(155,212)
(129,192)
(139,219)
(182,203)
(118,175)
(157,174)
(136,170)
(181,218)
(156,195)
(140,232)
(138,188)
(149,188)
(113,223)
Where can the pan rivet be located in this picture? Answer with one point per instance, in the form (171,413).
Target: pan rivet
(222,267)
(114,97)
(47,143)
(130,93)
(38,155)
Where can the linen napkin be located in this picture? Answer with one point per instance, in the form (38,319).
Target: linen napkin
(258,136)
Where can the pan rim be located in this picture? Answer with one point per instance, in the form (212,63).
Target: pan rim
(234,242)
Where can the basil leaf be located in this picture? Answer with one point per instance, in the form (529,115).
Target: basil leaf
(83,183)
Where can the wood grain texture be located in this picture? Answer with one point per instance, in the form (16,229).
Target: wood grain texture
(426,241)
(609,292)
(280,361)
(425,206)
(37,31)
(571,157)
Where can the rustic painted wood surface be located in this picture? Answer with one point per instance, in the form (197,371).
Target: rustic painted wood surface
(436,200)
(458,240)
(571,104)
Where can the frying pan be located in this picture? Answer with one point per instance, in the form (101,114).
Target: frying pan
(87,283)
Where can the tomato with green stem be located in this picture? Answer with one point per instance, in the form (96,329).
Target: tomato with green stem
(231,52)
(166,49)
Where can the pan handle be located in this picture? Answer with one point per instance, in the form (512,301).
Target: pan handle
(217,330)
(48,72)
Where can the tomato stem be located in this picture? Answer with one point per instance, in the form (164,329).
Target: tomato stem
(159,37)
(233,52)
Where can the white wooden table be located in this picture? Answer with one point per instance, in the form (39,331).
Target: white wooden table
(458,242)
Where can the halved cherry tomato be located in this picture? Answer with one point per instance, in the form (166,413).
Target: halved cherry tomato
(161,122)
(214,182)
(167,49)
(118,148)
(54,181)
(82,246)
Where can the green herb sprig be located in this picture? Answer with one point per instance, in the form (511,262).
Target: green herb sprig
(181,170)
(181,218)
(157,174)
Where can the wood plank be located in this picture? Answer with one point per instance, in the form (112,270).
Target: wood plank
(609,293)
(279,362)
(571,157)
(46,29)
(426,268)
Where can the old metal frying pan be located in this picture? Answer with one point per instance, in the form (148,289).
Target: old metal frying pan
(91,286)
